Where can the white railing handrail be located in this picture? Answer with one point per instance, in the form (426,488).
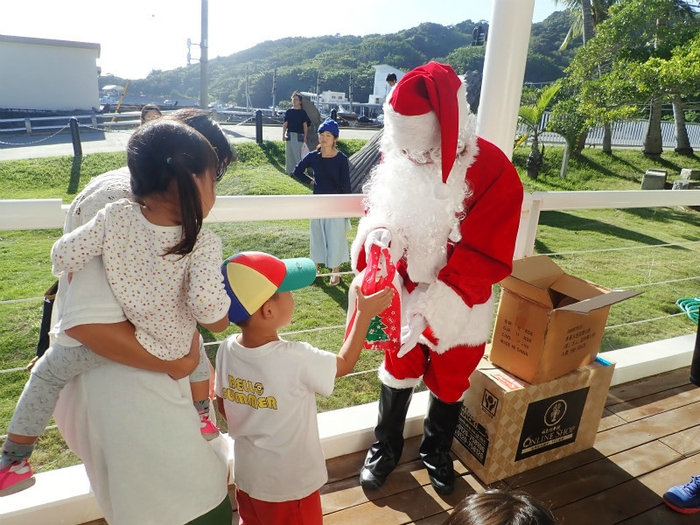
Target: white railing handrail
(537,202)
(50,213)
(39,214)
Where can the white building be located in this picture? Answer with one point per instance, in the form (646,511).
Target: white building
(333,98)
(381,88)
(326,100)
(44,74)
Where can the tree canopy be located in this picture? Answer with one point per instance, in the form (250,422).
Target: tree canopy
(302,62)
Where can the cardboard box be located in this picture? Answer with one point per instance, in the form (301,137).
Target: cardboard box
(508,426)
(549,323)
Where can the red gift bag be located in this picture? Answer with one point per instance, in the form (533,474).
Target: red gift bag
(384,331)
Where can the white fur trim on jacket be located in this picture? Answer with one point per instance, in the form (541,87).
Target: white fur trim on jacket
(389,380)
(366,225)
(452,321)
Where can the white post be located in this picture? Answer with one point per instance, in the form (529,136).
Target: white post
(204,58)
(504,70)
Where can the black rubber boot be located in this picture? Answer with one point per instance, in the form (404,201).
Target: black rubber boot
(384,455)
(438,430)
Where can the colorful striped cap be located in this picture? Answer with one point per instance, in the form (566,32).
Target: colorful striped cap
(251,278)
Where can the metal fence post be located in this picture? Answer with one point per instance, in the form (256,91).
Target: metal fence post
(258,127)
(75,137)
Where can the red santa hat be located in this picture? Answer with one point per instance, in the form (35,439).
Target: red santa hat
(430,88)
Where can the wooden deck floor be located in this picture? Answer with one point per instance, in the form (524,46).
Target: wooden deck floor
(648,440)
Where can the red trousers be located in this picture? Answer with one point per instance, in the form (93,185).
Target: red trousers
(446,374)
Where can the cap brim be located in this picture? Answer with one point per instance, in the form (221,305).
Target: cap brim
(301,272)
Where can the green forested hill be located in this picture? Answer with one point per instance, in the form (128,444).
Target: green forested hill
(301,62)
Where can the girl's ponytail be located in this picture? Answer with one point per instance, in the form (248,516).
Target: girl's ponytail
(190,205)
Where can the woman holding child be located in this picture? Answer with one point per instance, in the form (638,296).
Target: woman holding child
(136,430)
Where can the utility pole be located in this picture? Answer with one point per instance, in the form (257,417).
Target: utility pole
(274,89)
(204,58)
(247,93)
(350,92)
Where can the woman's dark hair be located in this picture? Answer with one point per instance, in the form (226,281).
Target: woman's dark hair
(201,121)
(162,151)
(496,507)
(391,77)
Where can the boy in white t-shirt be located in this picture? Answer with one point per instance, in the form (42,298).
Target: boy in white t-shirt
(266,387)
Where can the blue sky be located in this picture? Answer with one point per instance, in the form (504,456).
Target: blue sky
(137,36)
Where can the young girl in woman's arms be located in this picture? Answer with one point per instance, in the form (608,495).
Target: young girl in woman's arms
(163,269)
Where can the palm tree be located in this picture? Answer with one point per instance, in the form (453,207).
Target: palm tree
(587,15)
(591,13)
(531,117)
(653,144)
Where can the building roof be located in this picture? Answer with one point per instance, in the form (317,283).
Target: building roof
(49,42)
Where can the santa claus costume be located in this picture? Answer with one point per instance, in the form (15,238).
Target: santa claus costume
(447,205)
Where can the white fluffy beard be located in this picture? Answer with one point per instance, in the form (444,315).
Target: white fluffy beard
(401,196)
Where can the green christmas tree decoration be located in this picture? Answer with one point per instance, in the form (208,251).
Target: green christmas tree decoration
(377,330)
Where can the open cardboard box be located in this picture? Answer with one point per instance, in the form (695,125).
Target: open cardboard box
(507,426)
(549,322)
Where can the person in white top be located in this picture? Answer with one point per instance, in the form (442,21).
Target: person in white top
(266,387)
(161,266)
(134,428)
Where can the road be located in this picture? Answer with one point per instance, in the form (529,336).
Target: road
(24,146)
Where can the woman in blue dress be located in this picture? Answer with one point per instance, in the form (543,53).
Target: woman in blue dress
(331,175)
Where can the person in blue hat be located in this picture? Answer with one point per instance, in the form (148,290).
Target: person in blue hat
(331,175)
(266,389)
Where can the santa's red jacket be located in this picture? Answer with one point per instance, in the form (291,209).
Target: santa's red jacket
(458,306)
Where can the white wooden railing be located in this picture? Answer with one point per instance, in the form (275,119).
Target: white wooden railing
(64,496)
(50,213)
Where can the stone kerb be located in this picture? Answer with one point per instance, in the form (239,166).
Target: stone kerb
(690,174)
(654,179)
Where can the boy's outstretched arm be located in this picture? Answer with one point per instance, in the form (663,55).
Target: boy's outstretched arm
(118,343)
(367,308)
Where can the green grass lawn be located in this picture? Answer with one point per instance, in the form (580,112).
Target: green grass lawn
(25,262)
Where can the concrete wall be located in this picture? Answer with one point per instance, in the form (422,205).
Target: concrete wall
(48,74)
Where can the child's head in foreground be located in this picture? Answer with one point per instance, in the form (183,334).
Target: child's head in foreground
(258,281)
(173,163)
(496,507)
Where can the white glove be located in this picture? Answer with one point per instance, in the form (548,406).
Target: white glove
(379,236)
(411,333)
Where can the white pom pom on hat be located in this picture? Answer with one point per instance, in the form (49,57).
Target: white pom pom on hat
(432,87)
(441,191)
